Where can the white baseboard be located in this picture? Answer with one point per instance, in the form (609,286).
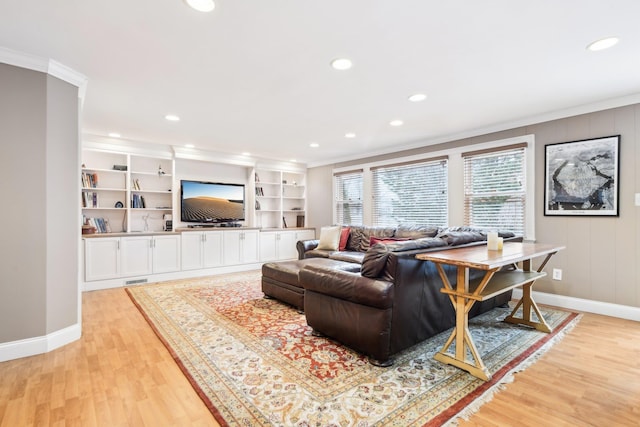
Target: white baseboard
(585,305)
(163,277)
(38,345)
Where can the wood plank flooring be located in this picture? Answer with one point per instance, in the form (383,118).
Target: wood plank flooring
(120,374)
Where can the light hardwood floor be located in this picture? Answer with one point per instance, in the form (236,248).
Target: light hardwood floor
(120,374)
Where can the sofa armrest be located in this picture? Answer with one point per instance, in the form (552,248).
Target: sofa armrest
(347,286)
(306,245)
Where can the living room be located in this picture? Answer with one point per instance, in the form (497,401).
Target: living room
(599,273)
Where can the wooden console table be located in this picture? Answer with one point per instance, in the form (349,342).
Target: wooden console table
(495,281)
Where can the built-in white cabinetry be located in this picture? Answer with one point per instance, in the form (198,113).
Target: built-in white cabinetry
(201,249)
(115,257)
(124,192)
(281,244)
(102,258)
(136,256)
(280,198)
(241,247)
(166,253)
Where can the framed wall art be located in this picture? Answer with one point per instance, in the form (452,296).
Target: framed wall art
(582,177)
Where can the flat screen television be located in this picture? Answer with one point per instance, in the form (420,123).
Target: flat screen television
(211,202)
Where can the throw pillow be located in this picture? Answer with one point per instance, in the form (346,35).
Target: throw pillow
(344,237)
(385,240)
(374,261)
(329,238)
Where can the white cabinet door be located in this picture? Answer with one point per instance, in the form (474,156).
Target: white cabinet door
(241,247)
(287,245)
(268,246)
(166,254)
(101,258)
(250,246)
(192,250)
(212,242)
(305,235)
(231,245)
(136,255)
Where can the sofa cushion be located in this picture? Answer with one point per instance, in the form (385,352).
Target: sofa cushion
(415,231)
(417,244)
(455,238)
(329,238)
(360,236)
(347,256)
(374,260)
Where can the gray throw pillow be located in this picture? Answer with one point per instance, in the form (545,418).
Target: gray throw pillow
(374,261)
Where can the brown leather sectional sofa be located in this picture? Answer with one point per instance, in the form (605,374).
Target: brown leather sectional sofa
(392,301)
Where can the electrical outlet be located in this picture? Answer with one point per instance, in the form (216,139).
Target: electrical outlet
(557,274)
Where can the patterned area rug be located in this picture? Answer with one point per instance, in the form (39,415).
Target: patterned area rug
(254,362)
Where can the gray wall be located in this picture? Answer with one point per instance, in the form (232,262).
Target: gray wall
(601,259)
(39,176)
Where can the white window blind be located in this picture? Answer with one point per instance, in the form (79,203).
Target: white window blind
(495,188)
(348,197)
(410,193)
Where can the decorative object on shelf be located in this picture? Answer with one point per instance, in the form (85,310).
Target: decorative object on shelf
(582,177)
(119,204)
(257,205)
(284,181)
(145,218)
(300,221)
(119,167)
(167,222)
(160,171)
(88,229)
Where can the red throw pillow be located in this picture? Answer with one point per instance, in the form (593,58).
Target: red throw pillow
(344,237)
(385,240)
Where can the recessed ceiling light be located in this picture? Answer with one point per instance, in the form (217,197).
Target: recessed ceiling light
(418,97)
(349,135)
(201,5)
(396,122)
(293,160)
(246,153)
(314,145)
(114,135)
(341,64)
(603,44)
(172,118)
(189,145)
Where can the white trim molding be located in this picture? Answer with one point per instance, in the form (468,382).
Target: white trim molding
(45,65)
(585,305)
(38,345)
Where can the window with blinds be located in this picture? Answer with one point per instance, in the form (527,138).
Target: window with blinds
(348,197)
(410,193)
(494,188)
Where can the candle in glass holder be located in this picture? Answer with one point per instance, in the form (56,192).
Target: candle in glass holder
(492,241)
(500,243)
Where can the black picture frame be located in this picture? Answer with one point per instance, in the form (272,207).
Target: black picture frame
(582,178)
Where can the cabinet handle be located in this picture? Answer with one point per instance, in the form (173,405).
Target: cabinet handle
(118,247)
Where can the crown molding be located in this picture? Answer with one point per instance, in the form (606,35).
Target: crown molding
(45,65)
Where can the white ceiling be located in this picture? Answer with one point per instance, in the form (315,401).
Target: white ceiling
(254,75)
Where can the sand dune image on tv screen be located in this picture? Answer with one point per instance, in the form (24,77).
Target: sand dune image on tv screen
(202,209)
